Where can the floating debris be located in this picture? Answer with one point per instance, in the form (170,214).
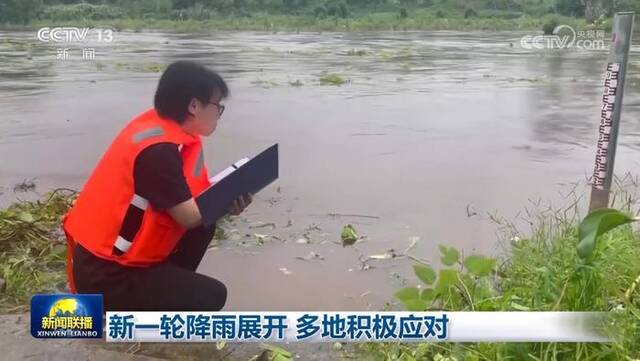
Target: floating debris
(313,227)
(349,236)
(266,84)
(366,134)
(530,80)
(364,265)
(470,211)
(260,238)
(278,238)
(389,254)
(32,248)
(356,52)
(335,215)
(302,241)
(413,241)
(262,225)
(149,68)
(273,200)
(311,256)
(25,186)
(386,55)
(332,79)
(234,235)
(285,271)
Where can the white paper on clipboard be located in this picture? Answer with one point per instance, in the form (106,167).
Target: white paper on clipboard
(216,178)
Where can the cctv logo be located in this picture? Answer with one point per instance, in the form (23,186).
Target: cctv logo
(71,34)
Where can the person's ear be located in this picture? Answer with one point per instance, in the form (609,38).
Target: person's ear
(193,106)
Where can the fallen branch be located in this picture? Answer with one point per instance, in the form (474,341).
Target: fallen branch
(352,215)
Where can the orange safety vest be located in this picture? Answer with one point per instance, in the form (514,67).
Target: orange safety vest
(96,218)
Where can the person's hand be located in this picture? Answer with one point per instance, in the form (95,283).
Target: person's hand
(240,204)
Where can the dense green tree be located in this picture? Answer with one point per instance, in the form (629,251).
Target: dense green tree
(570,7)
(22,11)
(19,11)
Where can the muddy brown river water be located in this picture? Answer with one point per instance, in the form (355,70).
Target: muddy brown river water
(430,132)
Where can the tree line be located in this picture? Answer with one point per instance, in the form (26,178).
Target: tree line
(23,11)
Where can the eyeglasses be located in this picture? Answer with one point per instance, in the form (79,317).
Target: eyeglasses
(220,108)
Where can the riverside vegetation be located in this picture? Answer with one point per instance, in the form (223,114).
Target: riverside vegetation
(564,265)
(304,15)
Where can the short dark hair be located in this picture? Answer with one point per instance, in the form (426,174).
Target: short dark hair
(183,81)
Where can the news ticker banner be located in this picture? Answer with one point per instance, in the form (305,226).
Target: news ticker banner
(82,316)
(354,327)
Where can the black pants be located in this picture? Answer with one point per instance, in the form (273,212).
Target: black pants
(169,286)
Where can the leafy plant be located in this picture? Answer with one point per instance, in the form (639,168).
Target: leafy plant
(274,353)
(594,225)
(450,256)
(459,286)
(589,266)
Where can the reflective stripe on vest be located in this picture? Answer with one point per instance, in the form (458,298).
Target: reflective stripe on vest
(199,164)
(147,133)
(122,244)
(111,186)
(140,202)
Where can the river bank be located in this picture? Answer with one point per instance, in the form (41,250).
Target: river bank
(420,20)
(540,271)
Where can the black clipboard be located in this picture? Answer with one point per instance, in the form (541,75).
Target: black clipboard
(250,177)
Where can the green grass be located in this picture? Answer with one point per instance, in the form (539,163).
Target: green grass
(418,20)
(543,272)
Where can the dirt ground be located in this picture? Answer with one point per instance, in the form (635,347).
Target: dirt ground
(17,343)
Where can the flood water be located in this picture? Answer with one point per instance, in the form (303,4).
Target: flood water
(429,129)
